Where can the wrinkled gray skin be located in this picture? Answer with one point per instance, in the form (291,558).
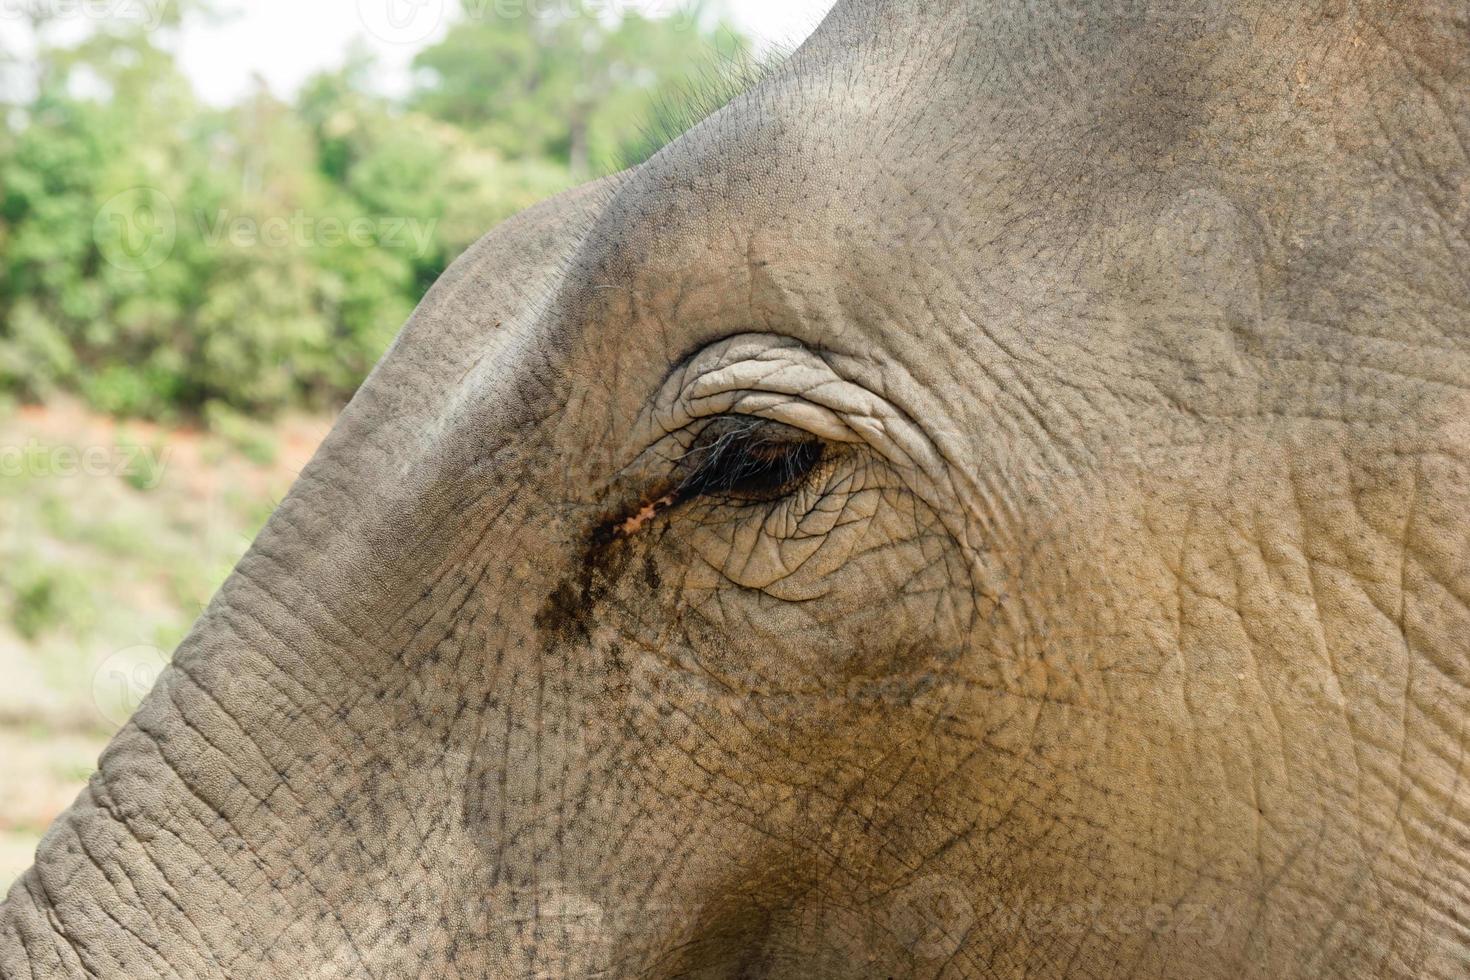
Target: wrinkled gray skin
(1120,629)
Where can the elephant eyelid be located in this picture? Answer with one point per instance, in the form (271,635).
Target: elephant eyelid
(748,459)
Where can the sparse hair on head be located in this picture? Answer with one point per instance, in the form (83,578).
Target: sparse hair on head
(729,72)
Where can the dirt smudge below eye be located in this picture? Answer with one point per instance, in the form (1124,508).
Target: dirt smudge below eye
(651,576)
(566,615)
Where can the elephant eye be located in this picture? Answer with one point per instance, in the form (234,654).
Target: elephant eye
(749,459)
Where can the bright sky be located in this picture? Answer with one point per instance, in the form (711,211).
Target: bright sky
(286,40)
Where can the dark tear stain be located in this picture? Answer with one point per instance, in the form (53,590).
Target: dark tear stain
(566,614)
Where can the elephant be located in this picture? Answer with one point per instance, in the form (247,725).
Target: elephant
(989,500)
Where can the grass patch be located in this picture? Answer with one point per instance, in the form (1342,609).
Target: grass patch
(45,598)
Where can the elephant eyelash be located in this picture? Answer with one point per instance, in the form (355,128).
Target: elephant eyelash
(737,459)
(749,460)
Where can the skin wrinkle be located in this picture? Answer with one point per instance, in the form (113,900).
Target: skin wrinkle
(723,389)
(144,943)
(132,882)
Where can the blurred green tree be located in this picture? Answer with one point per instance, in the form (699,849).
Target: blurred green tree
(560,81)
(164,258)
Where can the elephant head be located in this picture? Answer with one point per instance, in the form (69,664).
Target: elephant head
(991,500)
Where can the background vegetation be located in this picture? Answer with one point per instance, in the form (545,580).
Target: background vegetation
(163,258)
(187,292)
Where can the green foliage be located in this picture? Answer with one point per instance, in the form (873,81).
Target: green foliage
(565,85)
(165,259)
(249,438)
(144,471)
(45,597)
